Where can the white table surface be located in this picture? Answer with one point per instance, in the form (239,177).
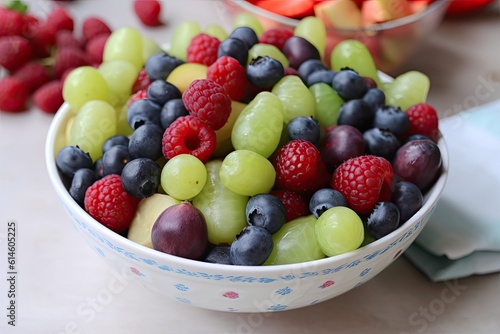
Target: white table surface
(60,278)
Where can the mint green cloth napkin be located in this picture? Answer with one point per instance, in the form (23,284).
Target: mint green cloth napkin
(462,237)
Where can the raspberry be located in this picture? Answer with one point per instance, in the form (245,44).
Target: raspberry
(66,38)
(208,101)
(295,204)
(14,96)
(228,72)
(93,26)
(95,48)
(68,58)
(423,120)
(203,49)
(43,39)
(364,181)
(11,22)
(30,25)
(148,12)
(33,74)
(188,135)
(299,167)
(276,37)
(140,94)
(142,82)
(15,51)
(48,98)
(59,19)
(108,203)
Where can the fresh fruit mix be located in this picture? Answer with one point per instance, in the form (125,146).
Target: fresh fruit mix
(246,147)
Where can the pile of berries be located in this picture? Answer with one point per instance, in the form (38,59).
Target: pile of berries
(375,160)
(37,53)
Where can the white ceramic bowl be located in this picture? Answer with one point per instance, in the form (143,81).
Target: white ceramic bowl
(237,288)
(391,43)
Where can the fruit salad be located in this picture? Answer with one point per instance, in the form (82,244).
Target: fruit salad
(245,147)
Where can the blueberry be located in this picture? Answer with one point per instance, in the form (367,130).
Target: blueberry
(356,113)
(349,85)
(324,199)
(246,34)
(266,211)
(160,65)
(264,72)
(160,91)
(98,169)
(141,177)
(234,47)
(310,66)
(72,158)
(219,254)
(408,198)
(391,118)
(375,97)
(324,76)
(146,142)
(252,246)
(172,110)
(306,128)
(381,143)
(115,159)
(113,141)
(84,178)
(383,219)
(417,136)
(143,111)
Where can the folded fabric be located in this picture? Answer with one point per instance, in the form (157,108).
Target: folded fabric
(462,237)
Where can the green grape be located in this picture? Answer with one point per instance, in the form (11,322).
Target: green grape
(261,49)
(339,230)
(248,20)
(223,209)
(259,125)
(125,43)
(313,29)
(120,76)
(149,48)
(183,176)
(94,123)
(122,126)
(216,30)
(408,89)
(328,104)
(182,36)
(84,84)
(354,55)
(295,242)
(247,173)
(296,98)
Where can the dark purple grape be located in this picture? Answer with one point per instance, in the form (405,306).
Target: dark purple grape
(419,162)
(115,159)
(234,47)
(246,34)
(172,110)
(181,230)
(408,198)
(306,128)
(310,66)
(324,199)
(113,141)
(356,113)
(266,211)
(349,85)
(298,49)
(141,177)
(84,178)
(143,111)
(161,91)
(252,246)
(160,65)
(381,143)
(391,118)
(72,158)
(264,72)
(341,143)
(383,219)
(146,142)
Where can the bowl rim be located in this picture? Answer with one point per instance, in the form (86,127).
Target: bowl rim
(434,6)
(63,115)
